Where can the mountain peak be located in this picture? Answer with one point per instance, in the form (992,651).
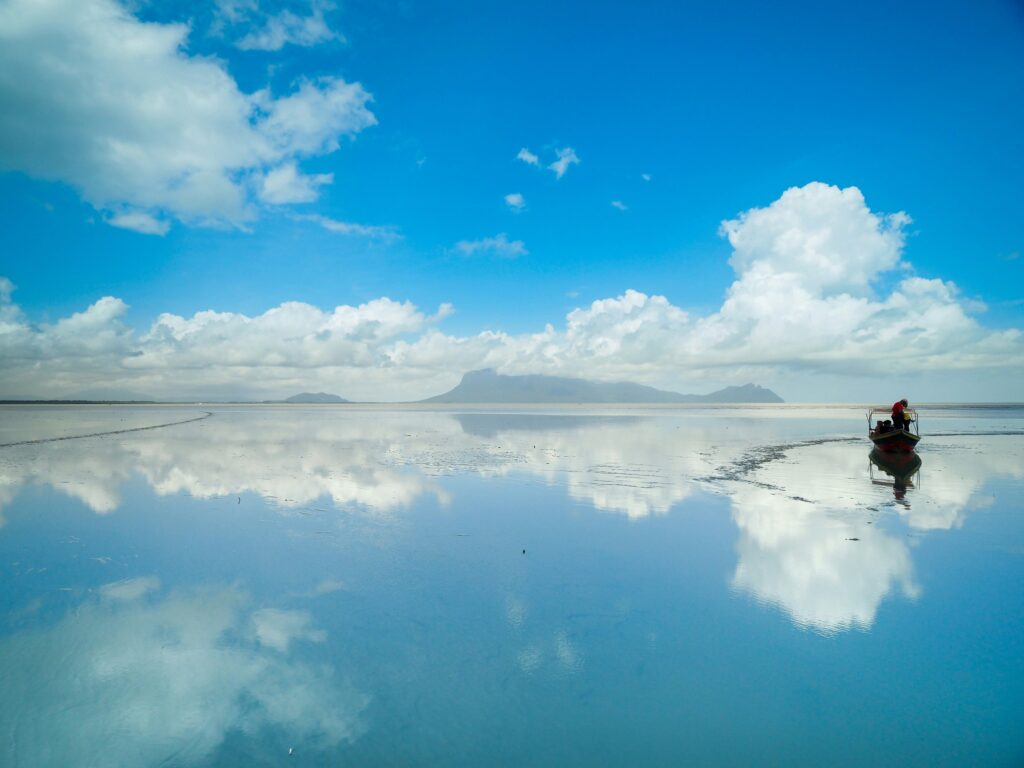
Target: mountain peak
(315,397)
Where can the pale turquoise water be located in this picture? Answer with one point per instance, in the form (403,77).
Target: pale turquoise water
(558,587)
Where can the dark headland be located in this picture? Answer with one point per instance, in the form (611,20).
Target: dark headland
(315,397)
(488,386)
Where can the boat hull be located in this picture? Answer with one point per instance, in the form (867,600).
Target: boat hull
(896,441)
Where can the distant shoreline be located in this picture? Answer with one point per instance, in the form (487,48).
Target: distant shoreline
(427,406)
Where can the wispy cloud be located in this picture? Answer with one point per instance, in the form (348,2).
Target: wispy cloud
(384,233)
(499,245)
(645,176)
(515,201)
(273,31)
(566,157)
(528,157)
(620,205)
(563,159)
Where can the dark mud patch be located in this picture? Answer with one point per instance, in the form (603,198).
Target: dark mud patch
(739,471)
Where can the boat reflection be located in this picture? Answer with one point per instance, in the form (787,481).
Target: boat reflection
(899,471)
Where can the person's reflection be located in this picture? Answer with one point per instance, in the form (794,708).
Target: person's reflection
(901,468)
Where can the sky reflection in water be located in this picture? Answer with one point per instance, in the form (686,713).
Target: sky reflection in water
(507,588)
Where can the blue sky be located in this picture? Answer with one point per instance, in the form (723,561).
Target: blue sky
(402,128)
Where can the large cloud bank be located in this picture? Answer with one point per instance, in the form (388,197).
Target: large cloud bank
(146,131)
(806,303)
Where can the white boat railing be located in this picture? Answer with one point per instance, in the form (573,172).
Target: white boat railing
(886,414)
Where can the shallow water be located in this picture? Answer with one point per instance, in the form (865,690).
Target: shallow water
(339,585)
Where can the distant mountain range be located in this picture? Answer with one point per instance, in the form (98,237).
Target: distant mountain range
(315,397)
(488,386)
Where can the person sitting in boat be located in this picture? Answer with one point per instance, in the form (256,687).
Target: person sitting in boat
(900,418)
(881,427)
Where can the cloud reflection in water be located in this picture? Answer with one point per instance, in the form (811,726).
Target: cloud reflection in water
(809,542)
(803,544)
(134,678)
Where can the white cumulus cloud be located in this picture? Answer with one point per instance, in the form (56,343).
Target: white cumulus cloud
(825,236)
(804,308)
(120,110)
(285,184)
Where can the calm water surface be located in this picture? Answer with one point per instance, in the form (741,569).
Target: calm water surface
(356,586)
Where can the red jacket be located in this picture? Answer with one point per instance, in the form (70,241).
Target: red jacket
(897,410)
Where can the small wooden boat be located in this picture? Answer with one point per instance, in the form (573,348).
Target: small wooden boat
(890,439)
